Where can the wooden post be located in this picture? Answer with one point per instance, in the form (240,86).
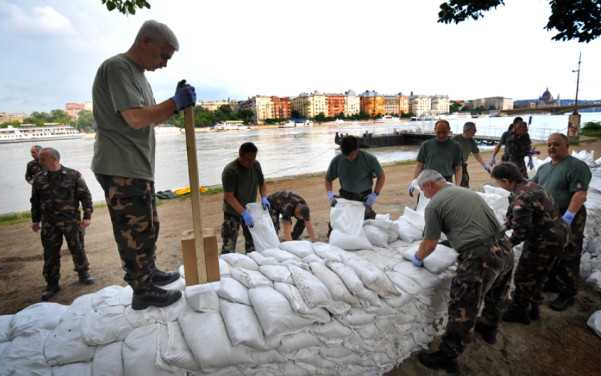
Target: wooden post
(195,197)
(211,252)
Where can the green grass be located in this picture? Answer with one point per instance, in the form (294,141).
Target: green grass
(15,217)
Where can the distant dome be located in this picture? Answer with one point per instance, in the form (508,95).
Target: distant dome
(546,97)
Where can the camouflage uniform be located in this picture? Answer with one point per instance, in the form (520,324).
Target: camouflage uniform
(229,234)
(483,277)
(33,168)
(132,207)
(55,198)
(285,203)
(516,149)
(534,220)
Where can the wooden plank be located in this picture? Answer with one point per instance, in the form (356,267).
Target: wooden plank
(211,260)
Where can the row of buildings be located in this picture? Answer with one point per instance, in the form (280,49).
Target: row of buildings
(310,105)
(489,103)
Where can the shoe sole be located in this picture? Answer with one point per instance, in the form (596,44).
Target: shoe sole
(140,306)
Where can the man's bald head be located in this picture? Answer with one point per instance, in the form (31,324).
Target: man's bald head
(50,158)
(558,146)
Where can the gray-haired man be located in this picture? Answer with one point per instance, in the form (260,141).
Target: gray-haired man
(125,112)
(34,166)
(484,266)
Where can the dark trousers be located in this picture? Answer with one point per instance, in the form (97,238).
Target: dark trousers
(465,177)
(298,229)
(52,240)
(135,220)
(229,234)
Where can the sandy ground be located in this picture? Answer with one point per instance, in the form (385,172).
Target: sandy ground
(559,345)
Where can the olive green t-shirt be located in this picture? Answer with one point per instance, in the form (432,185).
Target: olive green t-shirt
(242,182)
(121,150)
(355,176)
(563,179)
(441,156)
(462,215)
(467,146)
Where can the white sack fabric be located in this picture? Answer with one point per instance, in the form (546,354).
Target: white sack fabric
(346,219)
(263,232)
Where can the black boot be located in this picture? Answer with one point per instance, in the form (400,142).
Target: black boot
(50,291)
(552,286)
(154,296)
(160,278)
(84,278)
(517,314)
(439,360)
(487,332)
(562,302)
(534,312)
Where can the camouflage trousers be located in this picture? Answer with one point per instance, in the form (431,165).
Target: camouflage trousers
(132,208)
(539,254)
(52,240)
(566,271)
(465,176)
(483,278)
(229,234)
(298,229)
(520,163)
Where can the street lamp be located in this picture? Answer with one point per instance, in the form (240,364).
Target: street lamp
(574,119)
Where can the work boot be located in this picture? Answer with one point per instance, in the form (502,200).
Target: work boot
(517,314)
(154,296)
(84,278)
(438,360)
(551,286)
(487,332)
(534,312)
(562,302)
(50,291)
(160,278)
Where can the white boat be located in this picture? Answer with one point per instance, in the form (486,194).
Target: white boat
(231,126)
(289,124)
(32,133)
(339,122)
(306,123)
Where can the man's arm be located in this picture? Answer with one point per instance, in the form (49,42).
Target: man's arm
(143,117)
(495,151)
(311,231)
(577,201)
(380,183)
(36,214)
(28,174)
(287,230)
(329,185)
(478,157)
(425,248)
(458,174)
(263,190)
(419,167)
(233,202)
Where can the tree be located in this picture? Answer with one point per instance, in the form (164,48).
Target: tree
(126,6)
(454,107)
(580,20)
(85,121)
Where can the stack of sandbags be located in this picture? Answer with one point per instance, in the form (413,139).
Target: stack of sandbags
(381,231)
(590,264)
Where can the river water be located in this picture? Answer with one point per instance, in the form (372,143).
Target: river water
(282,152)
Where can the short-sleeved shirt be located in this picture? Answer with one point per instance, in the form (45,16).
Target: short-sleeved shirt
(563,179)
(462,215)
(355,176)
(121,150)
(285,203)
(441,156)
(467,145)
(242,182)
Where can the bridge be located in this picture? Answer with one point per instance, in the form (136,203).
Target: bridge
(552,109)
(400,138)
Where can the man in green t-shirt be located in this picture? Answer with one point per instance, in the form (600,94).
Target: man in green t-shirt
(241,179)
(355,169)
(468,146)
(566,179)
(440,154)
(125,113)
(484,267)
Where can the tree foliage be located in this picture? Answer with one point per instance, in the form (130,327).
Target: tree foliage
(126,6)
(85,121)
(55,116)
(573,19)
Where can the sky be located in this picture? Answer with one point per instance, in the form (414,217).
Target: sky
(51,50)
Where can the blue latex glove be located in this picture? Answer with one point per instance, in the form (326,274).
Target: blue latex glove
(265,202)
(331,198)
(371,199)
(248,219)
(417,262)
(411,188)
(185,95)
(530,163)
(568,217)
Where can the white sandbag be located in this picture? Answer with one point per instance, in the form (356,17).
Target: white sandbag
(24,356)
(346,219)
(328,252)
(299,248)
(349,242)
(250,278)
(105,325)
(374,278)
(415,218)
(357,317)
(108,360)
(594,322)
(203,298)
(238,260)
(354,284)
(438,261)
(208,340)
(295,262)
(5,327)
(334,284)
(407,231)
(263,232)
(40,316)
(386,225)
(595,279)
(151,315)
(241,325)
(298,305)
(234,291)
(3,346)
(404,283)
(274,312)
(112,296)
(65,343)
(312,258)
(140,350)
(495,190)
(224,267)
(75,369)
(261,259)
(314,292)
(277,273)
(174,350)
(267,359)
(376,236)
(297,341)
(331,331)
(421,276)
(279,255)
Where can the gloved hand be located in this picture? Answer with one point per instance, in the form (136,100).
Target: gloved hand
(492,162)
(248,219)
(568,217)
(371,199)
(265,202)
(331,198)
(530,163)
(411,187)
(417,262)
(487,168)
(185,95)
